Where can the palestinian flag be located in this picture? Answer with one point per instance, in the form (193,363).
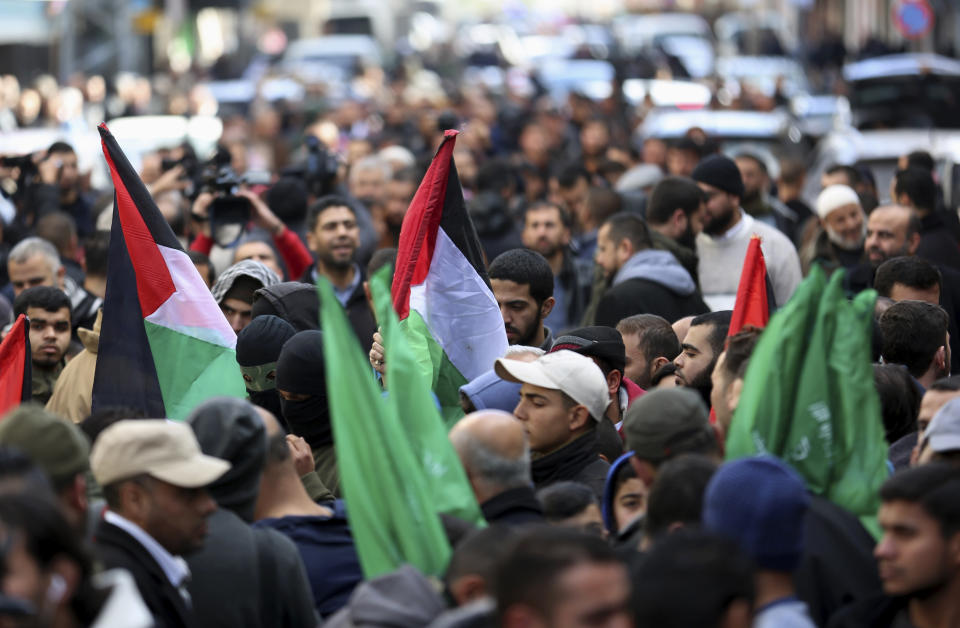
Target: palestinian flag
(753,304)
(441,291)
(15,366)
(165,346)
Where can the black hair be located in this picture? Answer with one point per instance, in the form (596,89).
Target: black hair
(199,259)
(602,203)
(688,561)
(671,194)
(935,487)
(323,204)
(666,370)
(918,184)
(630,227)
(381,258)
(96,249)
(565,219)
(912,332)
(479,553)
(568,175)
(721,325)
(911,271)
(946,384)
(853,175)
(44,297)
(495,175)
(899,400)
(59,229)
(524,267)
(920,159)
(677,493)
(739,348)
(60,147)
(563,500)
(655,334)
(537,559)
(287,198)
(102,418)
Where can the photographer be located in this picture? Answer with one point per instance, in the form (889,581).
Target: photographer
(295,255)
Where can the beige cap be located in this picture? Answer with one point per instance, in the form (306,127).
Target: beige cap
(576,375)
(165,450)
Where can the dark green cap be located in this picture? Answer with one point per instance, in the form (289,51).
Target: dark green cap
(55,445)
(667,422)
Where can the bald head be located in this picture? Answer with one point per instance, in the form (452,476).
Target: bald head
(892,231)
(492,447)
(682,326)
(269,421)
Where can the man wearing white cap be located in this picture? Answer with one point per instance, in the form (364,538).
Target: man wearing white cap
(154,476)
(940,442)
(843,229)
(562,397)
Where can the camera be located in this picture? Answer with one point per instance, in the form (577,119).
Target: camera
(319,171)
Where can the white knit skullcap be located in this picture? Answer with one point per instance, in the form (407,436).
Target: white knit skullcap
(835,197)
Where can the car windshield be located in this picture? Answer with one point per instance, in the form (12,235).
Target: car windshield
(914,101)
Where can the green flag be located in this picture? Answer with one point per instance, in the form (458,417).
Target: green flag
(389,505)
(809,396)
(409,395)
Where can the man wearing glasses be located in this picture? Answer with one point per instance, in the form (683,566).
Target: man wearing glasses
(48,310)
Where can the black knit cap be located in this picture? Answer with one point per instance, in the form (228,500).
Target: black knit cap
(260,341)
(721,172)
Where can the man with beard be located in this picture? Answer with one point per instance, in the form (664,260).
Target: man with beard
(675,212)
(546,230)
(649,343)
(642,279)
(523,286)
(843,229)
(727,230)
(48,310)
(400,190)
(333,236)
(757,200)
(702,346)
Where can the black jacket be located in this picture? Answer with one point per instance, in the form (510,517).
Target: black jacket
(937,244)
(877,611)
(116,548)
(514,506)
(837,567)
(297,303)
(577,461)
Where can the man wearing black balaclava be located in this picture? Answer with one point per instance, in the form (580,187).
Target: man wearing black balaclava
(302,385)
(258,349)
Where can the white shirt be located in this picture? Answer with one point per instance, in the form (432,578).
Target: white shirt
(174,567)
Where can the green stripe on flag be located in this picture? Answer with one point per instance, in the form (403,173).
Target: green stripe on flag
(409,394)
(445,380)
(388,501)
(190,370)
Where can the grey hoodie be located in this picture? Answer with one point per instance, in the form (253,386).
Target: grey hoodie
(404,598)
(659,267)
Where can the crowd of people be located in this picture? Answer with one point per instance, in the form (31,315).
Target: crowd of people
(594,446)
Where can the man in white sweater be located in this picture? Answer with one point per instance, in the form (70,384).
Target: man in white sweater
(727,229)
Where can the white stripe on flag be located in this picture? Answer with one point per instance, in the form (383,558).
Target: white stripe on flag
(460,310)
(191,310)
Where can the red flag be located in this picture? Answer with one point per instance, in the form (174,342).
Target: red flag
(752,306)
(15,362)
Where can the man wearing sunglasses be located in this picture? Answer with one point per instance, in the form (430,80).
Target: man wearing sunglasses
(49,312)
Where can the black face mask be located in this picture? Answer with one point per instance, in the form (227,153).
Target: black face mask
(268,400)
(310,419)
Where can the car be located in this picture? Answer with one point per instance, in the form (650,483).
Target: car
(686,36)
(667,94)
(761,75)
(819,114)
(775,131)
(916,90)
(330,59)
(590,77)
(880,149)
(753,33)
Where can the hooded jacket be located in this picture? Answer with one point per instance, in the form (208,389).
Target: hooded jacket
(243,576)
(609,492)
(650,282)
(400,599)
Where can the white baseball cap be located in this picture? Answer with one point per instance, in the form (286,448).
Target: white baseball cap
(571,373)
(943,432)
